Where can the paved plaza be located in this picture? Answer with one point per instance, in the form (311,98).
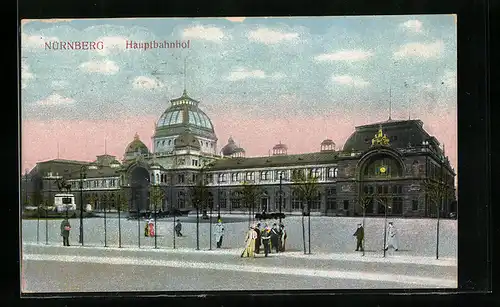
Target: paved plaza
(333,263)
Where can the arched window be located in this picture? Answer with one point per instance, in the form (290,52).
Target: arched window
(382,167)
(157,178)
(332,172)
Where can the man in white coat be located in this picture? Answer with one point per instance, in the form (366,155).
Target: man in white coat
(219,233)
(392,237)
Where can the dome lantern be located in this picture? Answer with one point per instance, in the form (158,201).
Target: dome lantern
(328,145)
(280,149)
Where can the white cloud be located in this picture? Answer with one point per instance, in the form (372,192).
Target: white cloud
(59,83)
(413,25)
(344,55)
(105,67)
(268,36)
(34,42)
(111,43)
(55,100)
(420,50)
(206,33)
(243,73)
(143,82)
(26,74)
(350,80)
(450,79)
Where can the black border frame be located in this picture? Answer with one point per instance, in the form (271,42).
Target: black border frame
(475,228)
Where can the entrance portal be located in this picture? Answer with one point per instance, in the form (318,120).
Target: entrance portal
(140,184)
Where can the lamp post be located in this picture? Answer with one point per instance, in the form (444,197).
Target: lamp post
(172,210)
(138,220)
(105,223)
(155,204)
(281,194)
(83,175)
(218,198)
(440,198)
(119,219)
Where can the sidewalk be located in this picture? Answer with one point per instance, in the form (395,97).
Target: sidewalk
(370,257)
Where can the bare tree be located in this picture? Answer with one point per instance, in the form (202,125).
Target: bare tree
(307,191)
(435,192)
(250,194)
(156,195)
(364,200)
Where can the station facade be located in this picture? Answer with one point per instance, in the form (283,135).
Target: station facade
(390,162)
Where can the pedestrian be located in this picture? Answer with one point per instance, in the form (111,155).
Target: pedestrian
(275,237)
(219,233)
(360,235)
(178,228)
(258,240)
(65,228)
(146,229)
(250,238)
(392,237)
(283,237)
(266,237)
(152,228)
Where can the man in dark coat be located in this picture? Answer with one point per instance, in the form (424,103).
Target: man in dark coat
(65,228)
(275,235)
(360,235)
(258,241)
(178,228)
(266,236)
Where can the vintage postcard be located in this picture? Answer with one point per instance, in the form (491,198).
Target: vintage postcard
(200,154)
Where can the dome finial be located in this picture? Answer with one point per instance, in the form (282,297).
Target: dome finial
(136,136)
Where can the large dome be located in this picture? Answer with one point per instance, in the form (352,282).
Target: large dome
(135,148)
(184,113)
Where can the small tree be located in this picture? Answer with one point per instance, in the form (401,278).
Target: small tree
(364,200)
(307,190)
(435,192)
(157,195)
(249,195)
(92,199)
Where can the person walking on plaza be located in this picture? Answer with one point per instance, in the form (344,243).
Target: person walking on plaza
(146,229)
(360,235)
(282,238)
(275,238)
(178,228)
(250,238)
(219,233)
(266,237)
(258,241)
(65,228)
(392,237)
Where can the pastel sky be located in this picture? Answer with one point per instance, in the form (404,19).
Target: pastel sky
(261,80)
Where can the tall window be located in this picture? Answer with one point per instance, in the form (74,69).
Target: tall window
(315,173)
(180,178)
(235,200)
(283,200)
(296,202)
(284,175)
(332,172)
(346,204)
(265,175)
(222,200)
(222,177)
(181,201)
(250,176)
(235,177)
(414,205)
(331,198)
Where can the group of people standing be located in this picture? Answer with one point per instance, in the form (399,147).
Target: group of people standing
(270,238)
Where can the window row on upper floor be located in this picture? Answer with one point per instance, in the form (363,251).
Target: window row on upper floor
(321,173)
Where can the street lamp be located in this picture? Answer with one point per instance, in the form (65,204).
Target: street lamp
(281,194)
(83,175)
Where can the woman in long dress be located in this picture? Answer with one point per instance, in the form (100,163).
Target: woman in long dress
(392,239)
(250,243)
